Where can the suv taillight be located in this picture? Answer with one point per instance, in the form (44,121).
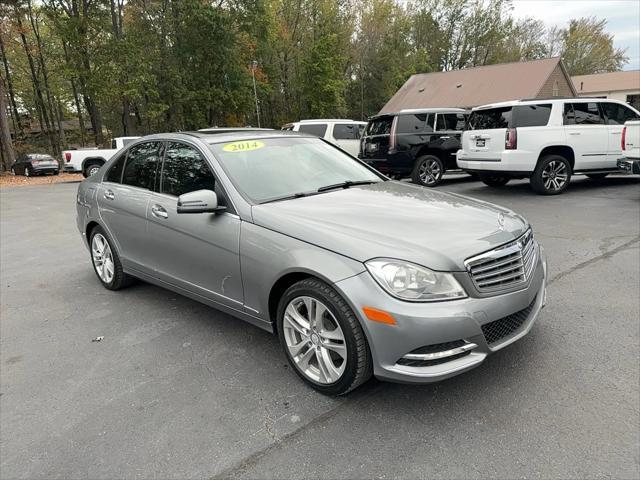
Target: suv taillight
(623,138)
(392,135)
(67,156)
(511,139)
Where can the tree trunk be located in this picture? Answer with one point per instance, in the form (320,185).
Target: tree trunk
(15,117)
(76,99)
(8,155)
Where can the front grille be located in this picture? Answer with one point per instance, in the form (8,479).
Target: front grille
(505,267)
(503,327)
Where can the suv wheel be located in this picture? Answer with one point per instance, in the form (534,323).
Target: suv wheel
(551,176)
(322,338)
(427,171)
(91,169)
(494,180)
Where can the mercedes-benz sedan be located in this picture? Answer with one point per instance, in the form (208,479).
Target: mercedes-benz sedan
(357,274)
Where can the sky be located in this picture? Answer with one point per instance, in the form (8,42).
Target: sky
(623,19)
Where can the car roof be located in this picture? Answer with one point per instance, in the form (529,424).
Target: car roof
(406,111)
(317,120)
(532,101)
(232,129)
(229,136)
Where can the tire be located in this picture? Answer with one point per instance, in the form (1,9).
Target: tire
(56,172)
(551,176)
(27,172)
(352,367)
(597,176)
(427,171)
(118,279)
(494,180)
(91,169)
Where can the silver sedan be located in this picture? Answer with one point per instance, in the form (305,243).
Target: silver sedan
(358,275)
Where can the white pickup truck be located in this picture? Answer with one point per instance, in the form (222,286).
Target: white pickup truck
(630,162)
(89,161)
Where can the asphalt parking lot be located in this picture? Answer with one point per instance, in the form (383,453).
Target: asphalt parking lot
(178,390)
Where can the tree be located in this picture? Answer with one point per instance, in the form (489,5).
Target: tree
(7,150)
(589,49)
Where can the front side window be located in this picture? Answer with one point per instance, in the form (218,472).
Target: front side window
(185,170)
(450,122)
(618,114)
(346,131)
(272,168)
(114,174)
(587,113)
(141,165)
(317,129)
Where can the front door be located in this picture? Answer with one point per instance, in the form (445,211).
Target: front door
(197,252)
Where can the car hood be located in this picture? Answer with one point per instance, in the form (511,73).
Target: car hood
(395,220)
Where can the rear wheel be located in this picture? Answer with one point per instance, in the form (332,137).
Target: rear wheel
(597,176)
(427,171)
(106,261)
(322,339)
(494,180)
(92,169)
(551,176)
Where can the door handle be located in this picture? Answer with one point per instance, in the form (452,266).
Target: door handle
(574,133)
(616,133)
(159,211)
(109,195)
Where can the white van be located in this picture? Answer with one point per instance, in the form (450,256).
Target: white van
(344,133)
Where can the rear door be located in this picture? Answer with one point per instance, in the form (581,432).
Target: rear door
(587,134)
(197,252)
(375,143)
(123,197)
(347,137)
(449,127)
(487,128)
(616,114)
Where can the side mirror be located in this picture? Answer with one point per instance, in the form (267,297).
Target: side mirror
(200,201)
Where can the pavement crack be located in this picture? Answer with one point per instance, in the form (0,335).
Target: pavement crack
(586,263)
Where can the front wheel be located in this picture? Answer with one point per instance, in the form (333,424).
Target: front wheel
(494,180)
(322,339)
(427,171)
(551,176)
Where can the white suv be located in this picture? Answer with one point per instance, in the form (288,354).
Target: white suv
(344,133)
(545,140)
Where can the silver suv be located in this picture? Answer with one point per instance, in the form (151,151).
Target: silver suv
(357,274)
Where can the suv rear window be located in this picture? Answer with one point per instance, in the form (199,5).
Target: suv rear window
(379,126)
(317,129)
(536,115)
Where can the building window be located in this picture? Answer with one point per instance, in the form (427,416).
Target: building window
(556,89)
(634,101)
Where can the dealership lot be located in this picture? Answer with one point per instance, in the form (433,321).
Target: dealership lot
(178,390)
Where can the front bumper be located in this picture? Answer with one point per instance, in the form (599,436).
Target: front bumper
(422,324)
(629,166)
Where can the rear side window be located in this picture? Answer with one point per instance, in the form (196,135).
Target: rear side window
(141,165)
(185,170)
(587,113)
(490,118)
(346,131)
(450,121)
(379,126)
(531,115)
(618,114)
(411,123)
(115,171)
(317,129)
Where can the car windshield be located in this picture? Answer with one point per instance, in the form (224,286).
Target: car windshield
(277,168)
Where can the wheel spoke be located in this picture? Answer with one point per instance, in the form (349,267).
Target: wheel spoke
(303,359)
(296,320)
(332,334)
(295,349)
(323,368)
(310,303)
(339,348)
(333,371)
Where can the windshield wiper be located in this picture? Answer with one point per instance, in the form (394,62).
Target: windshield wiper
(289,197)
(346,184)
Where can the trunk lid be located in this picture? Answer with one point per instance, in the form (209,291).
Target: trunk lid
(377,136)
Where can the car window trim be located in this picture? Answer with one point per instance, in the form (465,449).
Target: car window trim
(230,205)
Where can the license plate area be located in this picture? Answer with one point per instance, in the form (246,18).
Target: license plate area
(480,142)
(372,147)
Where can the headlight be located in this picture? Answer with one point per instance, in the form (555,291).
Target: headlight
(408,281)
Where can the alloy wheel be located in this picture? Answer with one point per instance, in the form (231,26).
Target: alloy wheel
(102,258)
(429,172)
(93,169)
(555,175)
(315,340)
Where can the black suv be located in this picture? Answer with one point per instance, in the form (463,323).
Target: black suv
(421,143)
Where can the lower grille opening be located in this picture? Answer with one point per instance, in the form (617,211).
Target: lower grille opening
(430,363)
(503,327)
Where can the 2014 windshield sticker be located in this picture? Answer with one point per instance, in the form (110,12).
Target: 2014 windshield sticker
(245,146)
